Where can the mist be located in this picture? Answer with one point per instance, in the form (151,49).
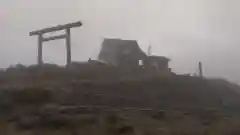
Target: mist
(186,31)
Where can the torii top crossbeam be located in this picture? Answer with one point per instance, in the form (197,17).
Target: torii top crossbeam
(56,28)
(66,36)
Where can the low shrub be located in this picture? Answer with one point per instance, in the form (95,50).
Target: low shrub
(35,96)
(83,120)
(111,123)
(125,129)
(209,116)
(159,115)
(56,122)
(27,122)
(111,119)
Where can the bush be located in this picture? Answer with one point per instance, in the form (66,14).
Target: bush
(57,121)
(224,127)
(210,116)
(111,119)
(27,122)
(84,120)
(110,123)
(125,129)
(115,125)
(159,115)
(6,103)
(33,96)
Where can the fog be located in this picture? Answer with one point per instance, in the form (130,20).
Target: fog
(186,31)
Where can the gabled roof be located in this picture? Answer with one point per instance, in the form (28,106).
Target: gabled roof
(113,49)
(121,46)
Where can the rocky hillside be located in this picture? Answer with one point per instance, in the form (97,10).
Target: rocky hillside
(108,86)
(98,99)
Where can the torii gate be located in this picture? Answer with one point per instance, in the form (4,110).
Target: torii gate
(66,36)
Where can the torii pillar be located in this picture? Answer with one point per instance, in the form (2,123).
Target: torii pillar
(66,36)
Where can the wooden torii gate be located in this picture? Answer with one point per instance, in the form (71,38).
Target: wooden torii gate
(66,36)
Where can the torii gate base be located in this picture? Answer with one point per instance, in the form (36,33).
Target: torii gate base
(66,36)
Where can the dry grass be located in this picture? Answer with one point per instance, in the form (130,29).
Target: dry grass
(134,123)
(159,92)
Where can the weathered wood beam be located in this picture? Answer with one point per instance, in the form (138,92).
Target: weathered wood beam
(40,61)
(56,28)
(54,38)
(68,46)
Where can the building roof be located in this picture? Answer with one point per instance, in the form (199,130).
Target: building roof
(113,49)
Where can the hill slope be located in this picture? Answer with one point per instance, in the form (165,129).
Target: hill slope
(109,86)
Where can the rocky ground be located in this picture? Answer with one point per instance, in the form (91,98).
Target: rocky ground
(60,101)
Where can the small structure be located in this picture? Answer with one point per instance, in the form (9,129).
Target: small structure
(123,53)
(127,54)
(66,36)
(200,69)
(159,63)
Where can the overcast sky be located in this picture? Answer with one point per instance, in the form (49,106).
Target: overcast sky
(187,31)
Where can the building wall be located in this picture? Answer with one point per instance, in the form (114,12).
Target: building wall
(160,65)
